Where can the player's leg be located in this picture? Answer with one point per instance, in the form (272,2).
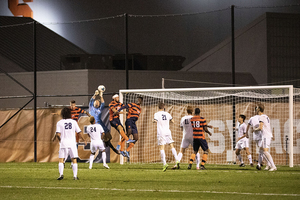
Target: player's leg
(107,142)
(204,147)
(163,157)
(61,157)
(74,155)
(92,156)
(198,160)
(104,159)
(131,129)
(249,156)
(174,152)
(196,145)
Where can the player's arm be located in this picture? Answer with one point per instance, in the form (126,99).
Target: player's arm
(57,135)
(209,126)
(261,124)
(247,129)
(206,130)
(154,121)
(172,120)
(54,137)
(103,136)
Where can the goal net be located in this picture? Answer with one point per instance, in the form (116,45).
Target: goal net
(221,108)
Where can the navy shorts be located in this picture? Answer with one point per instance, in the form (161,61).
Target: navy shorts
(197,143)
(115,123)
(130,124)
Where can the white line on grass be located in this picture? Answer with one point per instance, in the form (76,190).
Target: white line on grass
(149,190)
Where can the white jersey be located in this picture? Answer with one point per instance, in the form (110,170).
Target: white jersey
(95,131)
(163,123)
(185,123)
(254,122)
(67,128)
(266,131)
(241,128)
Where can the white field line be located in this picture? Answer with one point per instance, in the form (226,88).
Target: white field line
(148,190)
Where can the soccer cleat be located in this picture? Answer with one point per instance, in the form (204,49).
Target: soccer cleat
(177,163)
(123,153)
(202,167)
(165,167)
(190,166)
(130,141)
(251,164)
(198,168)
(242,165)
(272,169)
(90,167)
(106,166)
(127,154)
(258,167)
(175,167)
(267,167)
(61,177)
(76,178)
(118,147)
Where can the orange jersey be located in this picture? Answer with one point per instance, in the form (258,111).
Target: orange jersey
(198,124)
(134,110)
(116,106)
(75,113)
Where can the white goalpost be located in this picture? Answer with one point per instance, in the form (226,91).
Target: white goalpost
(221,108)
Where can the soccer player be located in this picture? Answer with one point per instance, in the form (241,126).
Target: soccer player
(243,141)
(96,133)
(96,107)
(265,127)
(134,110)
(199,128)
(66,128)
(257,137)
(163,119)
(114,119)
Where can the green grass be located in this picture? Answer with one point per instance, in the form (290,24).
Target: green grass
(147,181)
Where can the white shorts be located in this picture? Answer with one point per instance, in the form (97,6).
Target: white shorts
(265,142)
(186,142)
(243,143)
(166,139)
(63,152)
(97,144)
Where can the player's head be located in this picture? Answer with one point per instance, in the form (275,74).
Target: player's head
(189,110)
(161,105)
(72,104)
(116,97)
(66,113)
(242,118)
(92,120)
(197,111)
(140,99)
(96,104)
(259,108)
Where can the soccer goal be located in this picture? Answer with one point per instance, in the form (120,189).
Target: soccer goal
(221,108)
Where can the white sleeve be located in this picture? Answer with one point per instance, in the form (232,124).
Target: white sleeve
(155,117)
(170,117)
(58,128)
(101,129)
(77,129)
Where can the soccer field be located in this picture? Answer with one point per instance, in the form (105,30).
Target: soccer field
(147,181)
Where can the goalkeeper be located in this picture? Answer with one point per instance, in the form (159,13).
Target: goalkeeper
(96,107)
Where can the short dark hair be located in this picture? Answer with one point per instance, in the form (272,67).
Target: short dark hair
(261,107)
(92,119)
(197,111)
(73,101)
(243,117)
(66,113)
(161,105)
(139,97)
(189,109)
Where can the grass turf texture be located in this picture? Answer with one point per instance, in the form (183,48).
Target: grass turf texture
(147,181)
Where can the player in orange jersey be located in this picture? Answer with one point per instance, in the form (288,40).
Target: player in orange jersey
(134,110)
(114,119)
(199,128)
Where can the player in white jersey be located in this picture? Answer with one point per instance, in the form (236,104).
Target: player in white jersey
(164,136)
(96,133)
(66,129)
(257,137)
(265,127)
(243,141)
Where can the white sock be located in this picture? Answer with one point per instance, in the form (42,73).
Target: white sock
(240,158)
(163,156)
(61,168)
(91,160)
(104,157)
(198,159)
(269,159)
(260,156)
(75,169)
(250,158)
(179,156)
(174,154)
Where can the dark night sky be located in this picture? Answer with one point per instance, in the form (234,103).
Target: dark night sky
(188,36)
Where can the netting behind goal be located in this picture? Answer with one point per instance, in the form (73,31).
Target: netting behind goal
(221,108)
